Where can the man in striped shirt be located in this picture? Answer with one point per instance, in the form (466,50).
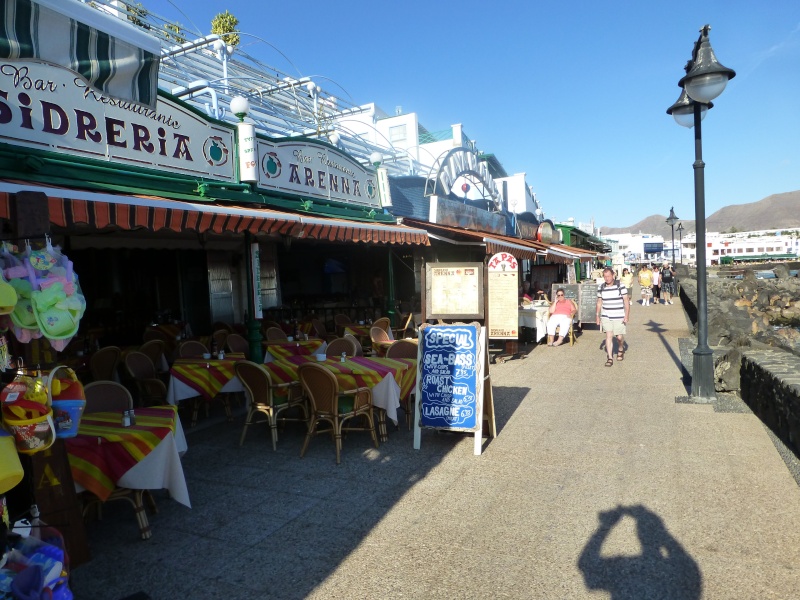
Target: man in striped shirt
(613,308)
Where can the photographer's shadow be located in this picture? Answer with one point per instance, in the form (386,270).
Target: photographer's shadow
(663,569)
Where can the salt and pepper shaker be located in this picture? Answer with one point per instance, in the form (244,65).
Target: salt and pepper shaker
(344,357)
(132,416)
(126,418)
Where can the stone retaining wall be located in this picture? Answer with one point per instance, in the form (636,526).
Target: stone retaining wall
(770,385)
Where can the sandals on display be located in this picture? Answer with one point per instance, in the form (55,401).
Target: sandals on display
(610,362)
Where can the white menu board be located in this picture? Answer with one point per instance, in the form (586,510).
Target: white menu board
(503,282)
(454,290)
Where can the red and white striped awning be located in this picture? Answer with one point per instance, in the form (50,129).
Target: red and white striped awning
(95,210)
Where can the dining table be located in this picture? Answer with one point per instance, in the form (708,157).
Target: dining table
(277,350)
(204,377)
(105,456)
(391,380)
(535,317)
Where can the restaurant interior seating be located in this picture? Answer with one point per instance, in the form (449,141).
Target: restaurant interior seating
(150,389)
(276,334)
(237,344)
(268,398)
(156,350)
(192,349)
(408,324)
(378,334)
(107,396)
(337,408)
(103,363)
(402,349)
(356,344)
(339,346)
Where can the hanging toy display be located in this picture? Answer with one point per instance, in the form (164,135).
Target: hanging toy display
(27,412)
(50,302)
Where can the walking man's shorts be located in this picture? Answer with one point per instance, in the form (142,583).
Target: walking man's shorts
(615,326)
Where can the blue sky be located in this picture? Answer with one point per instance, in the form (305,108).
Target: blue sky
(573,94)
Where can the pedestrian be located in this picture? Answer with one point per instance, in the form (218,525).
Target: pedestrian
(656,285)
(667,282)
(613,309)
(646,284)
(627,278)
(562,311)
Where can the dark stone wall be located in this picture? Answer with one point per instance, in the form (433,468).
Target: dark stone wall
(770,385)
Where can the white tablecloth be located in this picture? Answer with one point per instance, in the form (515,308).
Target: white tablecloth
(535,318)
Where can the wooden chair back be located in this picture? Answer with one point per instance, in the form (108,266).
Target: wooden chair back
(377,334)
(384,323)
(107,396)
(103,363)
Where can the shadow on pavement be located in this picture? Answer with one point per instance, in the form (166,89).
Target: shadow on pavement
(662,570)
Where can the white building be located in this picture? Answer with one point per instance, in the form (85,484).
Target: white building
(640,247)
(744,246)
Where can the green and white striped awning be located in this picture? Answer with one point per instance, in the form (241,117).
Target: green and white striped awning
(111,54)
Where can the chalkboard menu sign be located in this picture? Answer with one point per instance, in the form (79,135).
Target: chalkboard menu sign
(448,377)
(587,308)
(584,295)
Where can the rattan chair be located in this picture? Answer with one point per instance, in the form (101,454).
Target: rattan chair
(192,349)
(341,321)
(236,343)
(268,398)
(150,389)
(321,331)
(276,334)
(356,343)
(408,323)
(103,363)
(156,350)
(330,405)
(107,396)
(219,338)
(402,349)
(384,323)
(339,346)
(377,334)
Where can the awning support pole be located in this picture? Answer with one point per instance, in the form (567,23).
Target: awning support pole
(392,303)
(253,326)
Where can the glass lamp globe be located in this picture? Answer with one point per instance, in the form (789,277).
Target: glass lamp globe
(704,88)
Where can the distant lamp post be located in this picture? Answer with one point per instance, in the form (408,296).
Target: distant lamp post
(680,242)
(705,79)
(672,219)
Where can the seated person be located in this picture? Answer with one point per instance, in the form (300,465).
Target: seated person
(562,311)
(538,292)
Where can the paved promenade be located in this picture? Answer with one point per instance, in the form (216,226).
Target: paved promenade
(599,485)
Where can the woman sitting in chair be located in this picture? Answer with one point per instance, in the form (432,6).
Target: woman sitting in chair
(562,311)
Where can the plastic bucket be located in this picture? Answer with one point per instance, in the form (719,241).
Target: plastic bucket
(67,416)
(31,435)
(10,468)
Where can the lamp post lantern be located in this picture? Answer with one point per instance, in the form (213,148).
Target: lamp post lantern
(672,219)
(705,79)
(680,242)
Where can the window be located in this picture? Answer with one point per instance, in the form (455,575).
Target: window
(715,253)
(762,249)
(749,250)
(397,133)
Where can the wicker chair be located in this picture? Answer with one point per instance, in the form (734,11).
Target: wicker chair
(384,323)
(155,350)
(402,349)
(330,405)
(150,389)
(103,363)
(356,343)
(341,321)
(321,331)
(377,334)
(107,396)
(192,349)
(340,345)
(276,334)
(408,323)
(236,343)
(219,338)
(268,398)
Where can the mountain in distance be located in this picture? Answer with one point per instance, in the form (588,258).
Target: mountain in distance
(778,211)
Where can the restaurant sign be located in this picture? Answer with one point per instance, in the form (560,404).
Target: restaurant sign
(52,108)
(503,284)
(315,170)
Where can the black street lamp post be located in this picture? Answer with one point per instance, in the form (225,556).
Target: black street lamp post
(680,243)
(672,219)
(705,79)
